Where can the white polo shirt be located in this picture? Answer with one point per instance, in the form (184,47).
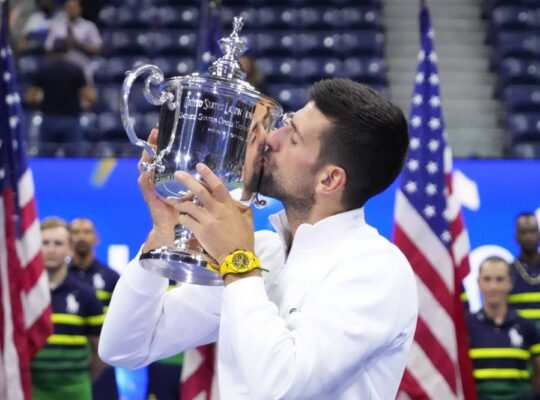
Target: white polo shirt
(333,320)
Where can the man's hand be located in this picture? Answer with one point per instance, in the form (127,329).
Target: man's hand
(220,223)
(164,216)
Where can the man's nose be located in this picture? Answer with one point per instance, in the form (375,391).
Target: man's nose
(274,139)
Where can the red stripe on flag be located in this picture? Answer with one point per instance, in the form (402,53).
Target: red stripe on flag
(200,381)
(424,270)
(28,215)
(437,352)
(410,386)
(14,275)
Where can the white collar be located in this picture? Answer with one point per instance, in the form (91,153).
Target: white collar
(321,233)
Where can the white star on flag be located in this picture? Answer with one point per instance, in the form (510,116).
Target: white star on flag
(431,189)
(410,186)
(434,79)
(412,164)
(432,167)
(433,145)
(7,76)
(433,57)
(419,78)
(446,237)
(435,101)
(414,143)
(429,211)
(434,123)
(416,121)
(417,100)
(13,121)
(421,55)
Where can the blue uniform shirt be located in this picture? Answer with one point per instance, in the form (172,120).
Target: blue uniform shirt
(501,355)
(99,276)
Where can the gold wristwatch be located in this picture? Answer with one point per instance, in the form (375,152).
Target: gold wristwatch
(239,262)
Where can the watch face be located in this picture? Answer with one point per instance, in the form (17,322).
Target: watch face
(240,261)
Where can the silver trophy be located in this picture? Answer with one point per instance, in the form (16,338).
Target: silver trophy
(204,118)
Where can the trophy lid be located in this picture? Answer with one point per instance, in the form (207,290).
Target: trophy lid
(232,47)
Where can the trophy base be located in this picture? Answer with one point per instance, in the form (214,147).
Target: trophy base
(180,266)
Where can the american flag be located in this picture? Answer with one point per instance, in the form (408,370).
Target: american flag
(25,313)
(429,229)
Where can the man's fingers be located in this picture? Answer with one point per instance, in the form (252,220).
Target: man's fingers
(215,185)
(145,156)
(195,187)
(192,209)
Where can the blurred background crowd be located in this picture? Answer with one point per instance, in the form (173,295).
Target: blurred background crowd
(488,49)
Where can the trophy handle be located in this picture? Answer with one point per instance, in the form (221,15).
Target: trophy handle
(156,77)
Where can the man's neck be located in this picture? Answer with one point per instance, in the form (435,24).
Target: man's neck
(84,262)
(531,258)
(297,216)
(496,312)
(57,276)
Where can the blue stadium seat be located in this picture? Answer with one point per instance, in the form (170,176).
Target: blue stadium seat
(111,128)
(312,18)
(314,69)
(178,17)
(514,18)
(361,43)
(90,126)
(365,70)
(362,18)
(107,17)
(279,69)
(524,127)
(277,18)
(517,44)
(169,42)
(129,17)
(122,42)
(175,66)
(290,97)
(113,70)
(274,43)
(28,66)
(522,98)
(250,16)
(108,98)
(526,150)
(515,71)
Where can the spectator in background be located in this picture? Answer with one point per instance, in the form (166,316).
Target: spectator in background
(64,368)
(102,278)
(525,296)
(254,75)
(59,88)
(37,27)
(503,346)
(81,35)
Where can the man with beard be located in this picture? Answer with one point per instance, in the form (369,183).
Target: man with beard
(64,368)
(525,295)
(334,316)
(103,279)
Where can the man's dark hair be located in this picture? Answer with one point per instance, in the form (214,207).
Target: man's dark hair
(527,214)
(498,259)
(368,138)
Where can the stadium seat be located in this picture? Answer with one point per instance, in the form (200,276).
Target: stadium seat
(178,17)
(522,98)
(169,42)
(279,69)
(524,127)
(123,42)
(514,18)
(515,71)
(360,43)
(517,44)
(175,66)
(365,70)
(314,69)
(277,18)
(28,66)
(290,97)
(108,98)
(111,128)
(526,150)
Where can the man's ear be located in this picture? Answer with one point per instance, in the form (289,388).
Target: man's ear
(331,179)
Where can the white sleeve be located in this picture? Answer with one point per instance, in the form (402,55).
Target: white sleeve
(145,323)
(335,332)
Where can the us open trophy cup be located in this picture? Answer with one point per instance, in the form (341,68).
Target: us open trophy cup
(203,118)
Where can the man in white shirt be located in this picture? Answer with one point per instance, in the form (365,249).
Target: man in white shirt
(332,312)
(81,35)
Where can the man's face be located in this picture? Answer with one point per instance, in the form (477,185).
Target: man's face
(72,9)
(494,282)
(289,165)
(55,247)
(83,236)
(527,234)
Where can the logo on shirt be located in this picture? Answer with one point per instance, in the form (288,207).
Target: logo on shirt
(515,338)
(98,281)
(72,305)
